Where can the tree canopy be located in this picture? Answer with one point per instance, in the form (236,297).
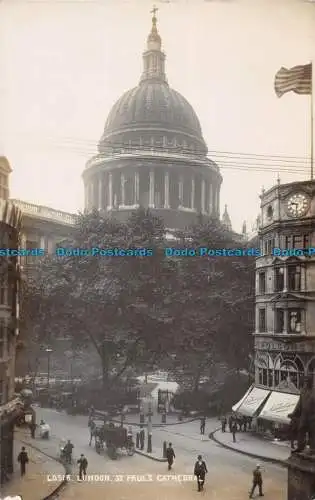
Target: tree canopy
(186,313)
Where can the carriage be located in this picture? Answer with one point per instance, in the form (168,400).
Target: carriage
(115,439)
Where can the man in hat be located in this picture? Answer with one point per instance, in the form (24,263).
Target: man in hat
(83,463)
(257,481)
(200,472)
(170,455)
(23,459)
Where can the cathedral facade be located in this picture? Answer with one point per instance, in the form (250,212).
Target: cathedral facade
(152,153)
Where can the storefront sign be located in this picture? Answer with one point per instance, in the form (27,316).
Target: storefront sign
(276,345)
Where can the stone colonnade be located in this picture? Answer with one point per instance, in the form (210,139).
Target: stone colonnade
(100,194)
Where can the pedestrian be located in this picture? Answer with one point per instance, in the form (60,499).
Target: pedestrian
(257,481)
(200,472)
(230,423)
(83,463)
(33,429)
(202,425)
(170,455)
(23,460)
(234,429)
(223,424)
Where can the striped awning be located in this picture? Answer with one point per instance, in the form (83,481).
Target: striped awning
(278,406)
(252,403)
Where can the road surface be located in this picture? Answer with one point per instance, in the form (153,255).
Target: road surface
(137,477)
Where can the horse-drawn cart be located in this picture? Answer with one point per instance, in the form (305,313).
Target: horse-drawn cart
(116,439)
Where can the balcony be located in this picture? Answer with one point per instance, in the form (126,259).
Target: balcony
(47,213)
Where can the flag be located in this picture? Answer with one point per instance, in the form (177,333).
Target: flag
(297,79)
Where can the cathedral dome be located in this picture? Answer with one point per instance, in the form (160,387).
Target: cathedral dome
(156,104)
(153,105)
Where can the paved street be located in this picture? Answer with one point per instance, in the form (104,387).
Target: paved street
(229,473)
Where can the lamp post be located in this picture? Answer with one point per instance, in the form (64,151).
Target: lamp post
(48,351)
(149,448)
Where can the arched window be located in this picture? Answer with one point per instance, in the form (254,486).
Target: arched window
(262,370)
(311,368)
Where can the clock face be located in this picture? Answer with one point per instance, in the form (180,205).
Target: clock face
(298,205)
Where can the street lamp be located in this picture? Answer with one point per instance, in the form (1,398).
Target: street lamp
(49,351)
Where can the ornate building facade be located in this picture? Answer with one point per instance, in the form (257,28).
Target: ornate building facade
(285,301)
(152,153)
(10,225)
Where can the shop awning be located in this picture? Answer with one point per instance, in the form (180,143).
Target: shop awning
(237,405)
(253,402)
(278,407)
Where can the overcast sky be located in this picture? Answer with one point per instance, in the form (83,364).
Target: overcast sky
(65,62)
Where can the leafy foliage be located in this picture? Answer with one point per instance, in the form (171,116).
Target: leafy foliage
(187,313)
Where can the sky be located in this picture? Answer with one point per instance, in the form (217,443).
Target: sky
(64,63)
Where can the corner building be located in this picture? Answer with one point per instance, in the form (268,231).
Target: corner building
(152,153)
(285,304)
(10,407)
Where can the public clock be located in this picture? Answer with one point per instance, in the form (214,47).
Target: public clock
(297,205)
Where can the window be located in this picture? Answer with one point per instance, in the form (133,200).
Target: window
(3,290)
(294,278)
(294,320)
(297,241)
(279,279)
(279,321)
(1,392)
(262,283)
(2,340)
(268,246)
(262,320)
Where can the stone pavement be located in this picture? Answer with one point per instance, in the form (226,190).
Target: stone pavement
(251,445)
(36,484)
(222,486)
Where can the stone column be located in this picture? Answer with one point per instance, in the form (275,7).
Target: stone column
(303,322)
(214,201)
(137,187)
(91,201)
(193,193)
(110,191)
(50,246)
(303,278)
(100,193)
(181,191)
(86,196)
(285,321)
(210,198)
(285,278)
(23,240)
(203,196)
(152,189)
(257,319)
(218,201)
(167,190)
(42,242)
(122,187)
(95,193)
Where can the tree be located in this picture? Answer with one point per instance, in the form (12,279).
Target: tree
(115,303)
(215,298)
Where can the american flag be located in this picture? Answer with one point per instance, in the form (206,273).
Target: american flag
(297,79)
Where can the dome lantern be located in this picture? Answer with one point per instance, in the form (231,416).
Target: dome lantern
(153,57)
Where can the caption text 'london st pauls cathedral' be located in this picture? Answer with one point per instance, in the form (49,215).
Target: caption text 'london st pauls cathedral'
(151,154)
